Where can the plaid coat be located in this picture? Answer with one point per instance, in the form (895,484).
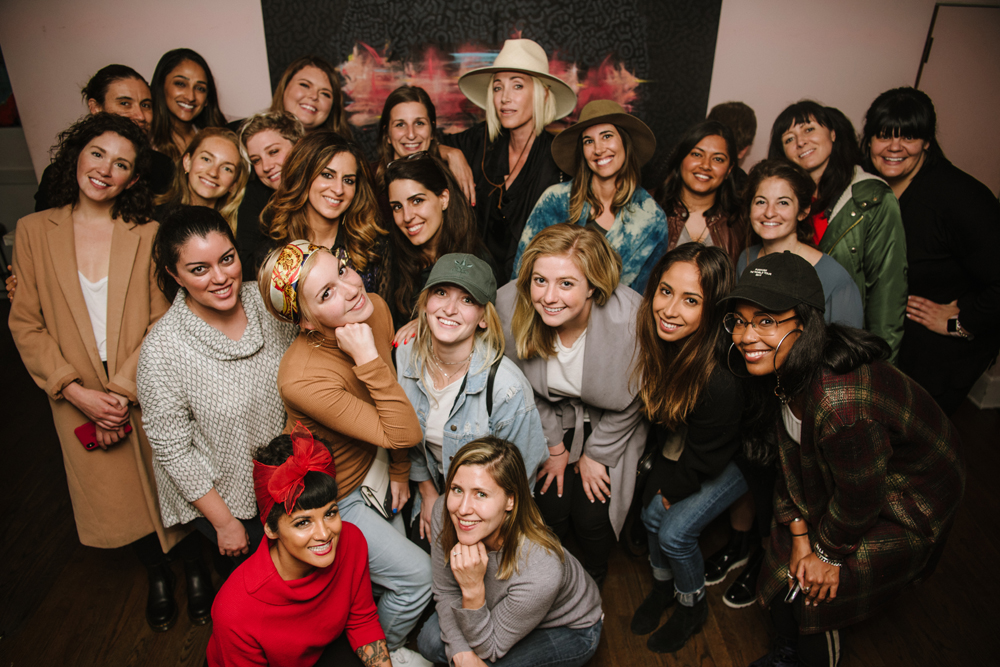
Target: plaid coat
(878,479)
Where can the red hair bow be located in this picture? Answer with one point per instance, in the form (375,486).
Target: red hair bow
(285,483)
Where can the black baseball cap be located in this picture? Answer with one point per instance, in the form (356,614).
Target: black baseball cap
(779,282)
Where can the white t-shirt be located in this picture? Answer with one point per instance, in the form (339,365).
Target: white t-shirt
(95,295)
(441,403)
(792,424)
(565,370)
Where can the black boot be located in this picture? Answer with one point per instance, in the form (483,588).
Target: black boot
(161,609)
(200,591)
(647,616)
(684,622)
(743,591)
(727,559)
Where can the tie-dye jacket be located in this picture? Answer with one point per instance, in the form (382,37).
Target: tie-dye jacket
(639,233)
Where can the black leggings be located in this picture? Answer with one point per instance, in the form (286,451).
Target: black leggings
(819,650)
(149,553)
(589,521)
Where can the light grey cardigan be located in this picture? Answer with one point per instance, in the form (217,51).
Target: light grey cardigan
(544,592)
(619,429)
(209,403)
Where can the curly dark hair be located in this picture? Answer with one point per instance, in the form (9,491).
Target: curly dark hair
(134,204)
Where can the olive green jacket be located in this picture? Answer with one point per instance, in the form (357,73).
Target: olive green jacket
(866,237)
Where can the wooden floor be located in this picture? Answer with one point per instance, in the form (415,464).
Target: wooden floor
(65,604)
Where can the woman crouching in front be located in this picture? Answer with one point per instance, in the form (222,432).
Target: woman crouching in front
(870,478)
(506,590)
(289,603)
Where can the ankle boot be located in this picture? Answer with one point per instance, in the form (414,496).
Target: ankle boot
(647,616)
(200,591)
(161,610)
(727,559)
(684,623)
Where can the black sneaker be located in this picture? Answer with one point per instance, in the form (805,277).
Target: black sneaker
(728,558)
(743,591)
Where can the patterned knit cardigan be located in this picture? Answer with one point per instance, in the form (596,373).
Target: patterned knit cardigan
(877,478)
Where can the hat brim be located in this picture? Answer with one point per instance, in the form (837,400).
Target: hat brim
(566,142)
(773,302)
(475,291)
(475,86)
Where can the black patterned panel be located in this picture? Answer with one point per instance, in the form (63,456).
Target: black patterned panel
(668,46)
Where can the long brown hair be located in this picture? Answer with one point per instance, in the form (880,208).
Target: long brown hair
(503,462)
(596,259)
(626,181)
(671,375)
(287,208)
(402,95)
(457,233)
(337,120)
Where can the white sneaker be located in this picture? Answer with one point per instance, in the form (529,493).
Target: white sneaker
(404,657)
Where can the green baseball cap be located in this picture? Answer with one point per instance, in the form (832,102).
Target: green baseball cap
(468,272)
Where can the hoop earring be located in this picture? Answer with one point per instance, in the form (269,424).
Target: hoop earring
(778,390)
(729,362)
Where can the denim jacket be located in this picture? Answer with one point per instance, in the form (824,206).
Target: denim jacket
(639,234)
(514,415)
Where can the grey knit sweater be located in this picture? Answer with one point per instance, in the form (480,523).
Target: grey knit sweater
(543,593)
(208,403)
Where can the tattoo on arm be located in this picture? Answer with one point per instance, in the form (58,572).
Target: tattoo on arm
(376,653)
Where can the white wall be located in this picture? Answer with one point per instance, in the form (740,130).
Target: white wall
(770,53)
(52,47)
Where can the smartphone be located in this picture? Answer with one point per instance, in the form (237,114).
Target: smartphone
(87,435)
(793,593)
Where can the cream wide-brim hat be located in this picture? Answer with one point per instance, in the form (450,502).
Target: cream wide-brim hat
(597,112)
(518,55)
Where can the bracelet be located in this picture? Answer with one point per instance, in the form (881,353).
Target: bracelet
(799,534)
(559,453)
(826,558)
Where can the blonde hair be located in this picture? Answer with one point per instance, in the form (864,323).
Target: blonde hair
(228,204)
(596,259)
(523,522)
(543,109)
(490,339)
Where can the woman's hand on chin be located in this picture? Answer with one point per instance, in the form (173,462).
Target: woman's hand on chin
(468,565)
(358,341)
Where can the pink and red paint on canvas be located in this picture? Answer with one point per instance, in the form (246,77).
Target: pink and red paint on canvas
(369,77)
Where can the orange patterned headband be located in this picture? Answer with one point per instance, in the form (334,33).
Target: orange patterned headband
(285,278)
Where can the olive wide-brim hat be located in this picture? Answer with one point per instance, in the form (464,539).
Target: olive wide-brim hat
(598,112)
(518,55)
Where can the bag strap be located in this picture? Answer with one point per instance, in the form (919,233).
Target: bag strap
(489,386)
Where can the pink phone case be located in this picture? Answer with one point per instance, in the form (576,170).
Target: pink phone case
(87,434)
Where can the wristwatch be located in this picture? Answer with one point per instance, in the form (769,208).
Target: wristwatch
(955,329)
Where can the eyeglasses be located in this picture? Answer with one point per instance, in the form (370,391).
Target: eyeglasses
(419,155)
(763,323)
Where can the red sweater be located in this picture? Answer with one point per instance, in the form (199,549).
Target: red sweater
(260,619)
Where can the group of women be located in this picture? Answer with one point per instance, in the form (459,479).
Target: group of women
(381,339)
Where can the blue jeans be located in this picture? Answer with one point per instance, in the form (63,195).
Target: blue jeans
(548,647)
(398,567)
(673,533)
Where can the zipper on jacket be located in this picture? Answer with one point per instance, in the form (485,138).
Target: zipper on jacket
(846,232)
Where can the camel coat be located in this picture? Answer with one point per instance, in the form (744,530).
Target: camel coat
(113,491)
